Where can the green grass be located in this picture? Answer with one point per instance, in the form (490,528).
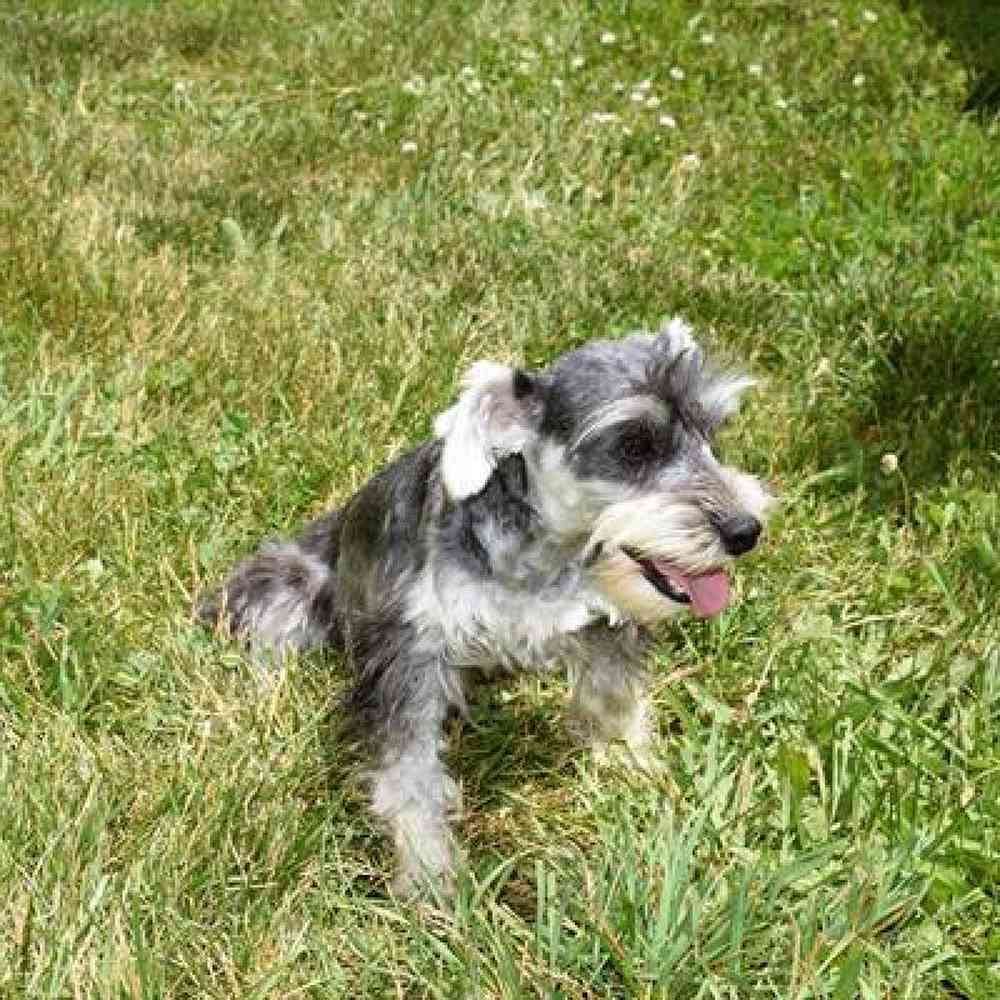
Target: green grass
(246,250)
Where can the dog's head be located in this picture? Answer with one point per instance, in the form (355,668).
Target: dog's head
(617,442)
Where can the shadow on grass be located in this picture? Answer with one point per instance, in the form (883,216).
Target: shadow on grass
(937,398)
(972,30)
(931,403)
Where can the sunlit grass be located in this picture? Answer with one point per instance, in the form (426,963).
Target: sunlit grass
(246,251)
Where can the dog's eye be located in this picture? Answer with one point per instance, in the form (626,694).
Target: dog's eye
(637,446)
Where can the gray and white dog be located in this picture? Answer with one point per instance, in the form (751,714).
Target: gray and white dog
(554,516)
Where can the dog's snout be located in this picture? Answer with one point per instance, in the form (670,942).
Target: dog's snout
(739,533)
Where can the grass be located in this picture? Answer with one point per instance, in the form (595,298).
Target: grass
(246,250)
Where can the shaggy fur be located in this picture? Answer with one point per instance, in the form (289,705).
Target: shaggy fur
(554,515)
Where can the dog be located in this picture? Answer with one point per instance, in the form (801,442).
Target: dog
(554,516)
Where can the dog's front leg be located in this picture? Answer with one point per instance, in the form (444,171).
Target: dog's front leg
(611,699)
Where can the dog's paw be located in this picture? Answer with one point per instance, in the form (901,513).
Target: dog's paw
(600,752)
(638,756)
(414,886)
(642,757)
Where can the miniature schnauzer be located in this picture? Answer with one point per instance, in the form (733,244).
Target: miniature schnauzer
(554,516)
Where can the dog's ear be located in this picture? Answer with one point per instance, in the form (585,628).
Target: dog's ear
(496,415)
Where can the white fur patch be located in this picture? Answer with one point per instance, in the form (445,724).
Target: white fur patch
(486,424)
(487,624)
(720,395)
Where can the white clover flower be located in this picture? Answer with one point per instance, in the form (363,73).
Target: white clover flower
(667,121)
(781,103)
(415,85)
(889,463)
(652,102)
(577,62)
(637,97)
(608,38)
(618,87)
(644,85)
(870,16)
(603,117)
(707,38)
(408,146)
(690,161)
(755,69)
(859,80)
(676,73)
(467,71)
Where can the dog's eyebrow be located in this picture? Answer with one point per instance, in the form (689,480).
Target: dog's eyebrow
(720,397)
(701,396)
(619,411)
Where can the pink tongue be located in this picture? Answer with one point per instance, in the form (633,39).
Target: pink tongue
(709,592)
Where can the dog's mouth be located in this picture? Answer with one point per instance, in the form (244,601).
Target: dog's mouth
(707,593)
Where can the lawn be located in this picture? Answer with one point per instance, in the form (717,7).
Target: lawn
(246,251)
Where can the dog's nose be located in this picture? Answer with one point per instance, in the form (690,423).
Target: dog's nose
(739,533)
